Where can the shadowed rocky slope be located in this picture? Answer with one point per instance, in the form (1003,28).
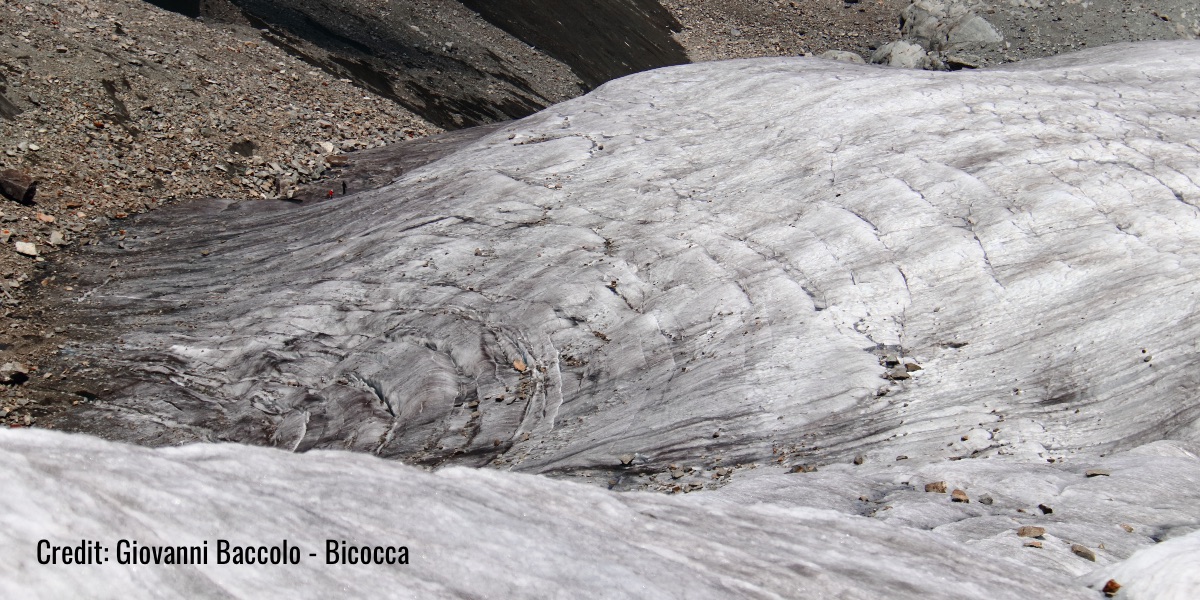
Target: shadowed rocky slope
(598,40)
(457,68)
(437,59)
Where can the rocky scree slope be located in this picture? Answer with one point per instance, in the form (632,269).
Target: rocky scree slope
(461,64)
(437,59)
(724,29)
(984,32)
(952,34)
(117,107)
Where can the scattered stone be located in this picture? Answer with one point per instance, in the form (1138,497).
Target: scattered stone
(8,110)
(959,496)
(519,365)
(805,468)
(956,62)
(336,160)
(898,373)
(940,25)
(1083,552)
(626,459)
(859,459)
(901,457)
(911,366)
(1111,587)
(1046,510)
(901,54)
(1097,473)
(677,473)
(27,249)
(45,218)
(1127,527)
(937,486)
(18,186)
(243,147)
(13,373)
(56,238)
(1031,531)
(1033,544)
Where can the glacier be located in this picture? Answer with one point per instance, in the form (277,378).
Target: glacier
(801,290)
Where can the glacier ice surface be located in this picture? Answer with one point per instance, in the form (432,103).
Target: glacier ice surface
(714,271)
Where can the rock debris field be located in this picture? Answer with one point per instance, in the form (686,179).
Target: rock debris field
(864,331)
(115,108)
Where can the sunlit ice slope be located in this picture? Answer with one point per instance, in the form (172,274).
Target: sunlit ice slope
(898,284)
(729,262)
(467,533)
